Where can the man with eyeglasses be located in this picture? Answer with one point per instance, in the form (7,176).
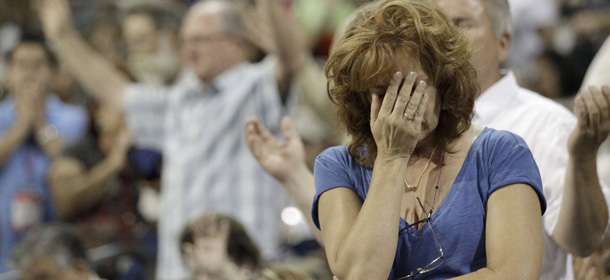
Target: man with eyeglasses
(563,146)
(196,123)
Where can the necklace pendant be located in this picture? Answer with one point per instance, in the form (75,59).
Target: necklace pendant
(410,187)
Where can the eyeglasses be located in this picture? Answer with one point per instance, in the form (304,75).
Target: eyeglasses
(434,264)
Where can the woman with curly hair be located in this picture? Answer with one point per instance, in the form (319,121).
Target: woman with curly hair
(419,191)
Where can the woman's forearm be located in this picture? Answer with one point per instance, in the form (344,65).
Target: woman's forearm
(366,250)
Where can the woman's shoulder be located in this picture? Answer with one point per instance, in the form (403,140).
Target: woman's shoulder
(491,143)
(335,153)
(485,136)
(494,137)
(339,157)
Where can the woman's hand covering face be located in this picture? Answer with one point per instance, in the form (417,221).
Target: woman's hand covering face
(396,119)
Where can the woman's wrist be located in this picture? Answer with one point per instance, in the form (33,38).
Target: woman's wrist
(386,158)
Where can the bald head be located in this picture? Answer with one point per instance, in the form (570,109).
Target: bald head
(226,12)
(212,36)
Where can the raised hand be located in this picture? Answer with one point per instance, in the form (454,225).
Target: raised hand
(259,31)
(592,109)
(30,101)
(278,158)
(208,255)
(55,16)
(396,120)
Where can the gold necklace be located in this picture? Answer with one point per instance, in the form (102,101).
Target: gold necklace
(413,187)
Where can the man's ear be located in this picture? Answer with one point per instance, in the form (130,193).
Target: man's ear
(503,42)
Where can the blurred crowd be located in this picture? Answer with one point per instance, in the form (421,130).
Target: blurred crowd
(96,177)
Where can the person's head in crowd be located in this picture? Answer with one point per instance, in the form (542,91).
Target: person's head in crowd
(213,38)
(105,35)
(140,30)
(487,24)
(151,47)
(51,252)
(30,62)
(378,43)
(215,246)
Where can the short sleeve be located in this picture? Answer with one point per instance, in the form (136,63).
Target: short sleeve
(330,172)
(145,110)
(511,162)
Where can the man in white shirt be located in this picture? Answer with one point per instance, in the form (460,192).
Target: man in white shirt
(565,153)
(197,123)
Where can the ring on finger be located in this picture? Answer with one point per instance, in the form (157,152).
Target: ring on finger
(409,117)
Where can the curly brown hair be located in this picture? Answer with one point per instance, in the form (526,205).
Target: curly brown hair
(363,58)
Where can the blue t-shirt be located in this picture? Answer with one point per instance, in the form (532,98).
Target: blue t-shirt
(495,159)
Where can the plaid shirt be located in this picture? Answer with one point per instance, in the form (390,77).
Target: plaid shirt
(207,165)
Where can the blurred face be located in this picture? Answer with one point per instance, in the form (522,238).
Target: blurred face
(29,63)
(488,51)
(104,38)
(46,268)
(206,48)
(140,33)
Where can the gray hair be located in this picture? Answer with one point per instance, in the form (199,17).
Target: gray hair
(499,14)
(231,16)
(233,21)
(55,240)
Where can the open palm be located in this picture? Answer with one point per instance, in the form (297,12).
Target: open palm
(278,158)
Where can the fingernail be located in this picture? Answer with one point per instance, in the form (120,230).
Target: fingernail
(422,83)
(398,75)
(412,74)
(426,95)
